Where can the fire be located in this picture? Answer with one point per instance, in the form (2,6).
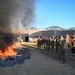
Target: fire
(8,51)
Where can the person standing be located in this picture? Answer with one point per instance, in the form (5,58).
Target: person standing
(52,44)
(57,44)
(73,46)
(61,49)
(48,44)
(64,47)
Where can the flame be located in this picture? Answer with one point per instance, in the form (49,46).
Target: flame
(8,51)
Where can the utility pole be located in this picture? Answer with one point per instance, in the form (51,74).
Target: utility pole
(17,26)
(18,22)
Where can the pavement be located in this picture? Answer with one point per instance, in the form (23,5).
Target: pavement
(41,63)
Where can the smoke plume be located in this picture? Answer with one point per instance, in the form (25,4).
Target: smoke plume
(10,10)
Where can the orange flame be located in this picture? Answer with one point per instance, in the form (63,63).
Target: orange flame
(8,51)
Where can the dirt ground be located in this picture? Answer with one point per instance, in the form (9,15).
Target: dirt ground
(41,63)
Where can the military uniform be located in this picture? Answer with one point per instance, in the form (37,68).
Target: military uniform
(45,43)
(57,45)
(38,43)
(48,44)
(62,50)
(52,44)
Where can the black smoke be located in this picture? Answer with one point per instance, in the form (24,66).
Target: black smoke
(13,9)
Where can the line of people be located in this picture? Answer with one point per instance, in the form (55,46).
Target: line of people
(61,45)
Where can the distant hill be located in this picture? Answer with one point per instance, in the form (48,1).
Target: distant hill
(55,28)
(51,28)
(32,28)
(72,28)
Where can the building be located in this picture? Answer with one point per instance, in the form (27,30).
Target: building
(33,34)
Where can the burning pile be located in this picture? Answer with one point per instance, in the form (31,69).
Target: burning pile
(7,45)
(19,58)
(9,11)
(9,55)
(7,51)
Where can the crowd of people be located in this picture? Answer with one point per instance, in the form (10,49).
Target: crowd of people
(60,44)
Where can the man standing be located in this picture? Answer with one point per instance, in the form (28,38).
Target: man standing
(52,44)
(57,44)
(61,49)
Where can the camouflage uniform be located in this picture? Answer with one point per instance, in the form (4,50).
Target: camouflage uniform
(62,50)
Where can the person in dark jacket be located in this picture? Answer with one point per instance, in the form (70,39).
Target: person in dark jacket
(73,46)
(61,49)
(52,44)
(48,43)
(57,44)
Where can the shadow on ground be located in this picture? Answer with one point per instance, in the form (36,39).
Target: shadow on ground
(69,59)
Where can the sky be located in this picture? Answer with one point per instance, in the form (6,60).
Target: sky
(54,13)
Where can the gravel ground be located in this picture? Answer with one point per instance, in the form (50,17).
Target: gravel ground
(40,63)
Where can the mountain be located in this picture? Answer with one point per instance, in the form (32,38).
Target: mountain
(32,28)
(55,28)
(72,28)
(51,28)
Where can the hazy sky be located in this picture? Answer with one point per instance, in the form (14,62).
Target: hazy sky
(55,13)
